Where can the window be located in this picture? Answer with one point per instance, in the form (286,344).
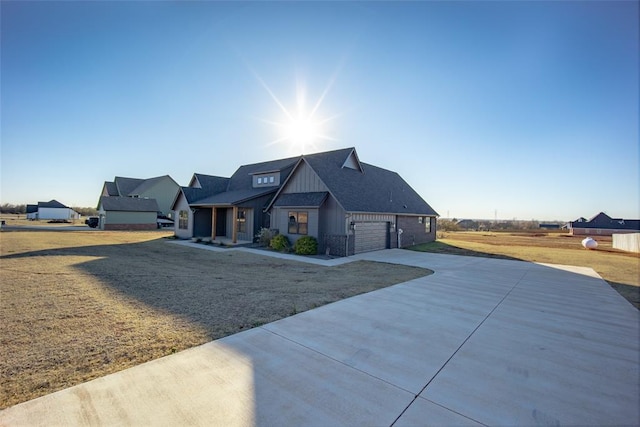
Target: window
(271,180)
(427,224)
(242,221)
(260,180)
(298,222)
(419,220)
(183,220)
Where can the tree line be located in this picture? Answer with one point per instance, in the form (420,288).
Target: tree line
(10,208)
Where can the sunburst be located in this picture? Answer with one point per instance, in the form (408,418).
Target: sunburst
(300,128)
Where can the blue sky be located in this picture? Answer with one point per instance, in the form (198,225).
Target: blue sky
(529,109)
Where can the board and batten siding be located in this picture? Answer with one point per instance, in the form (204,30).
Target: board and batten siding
(305,180)
(332,218)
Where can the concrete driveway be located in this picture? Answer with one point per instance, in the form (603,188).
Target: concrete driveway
(480,342)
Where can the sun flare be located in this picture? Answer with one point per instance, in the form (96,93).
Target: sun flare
(300,128)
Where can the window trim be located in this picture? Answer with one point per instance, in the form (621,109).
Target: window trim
(297,223)
(241,220)
(183,220)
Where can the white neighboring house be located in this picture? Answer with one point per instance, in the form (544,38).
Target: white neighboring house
(52,209)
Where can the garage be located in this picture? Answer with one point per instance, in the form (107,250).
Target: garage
(371,236)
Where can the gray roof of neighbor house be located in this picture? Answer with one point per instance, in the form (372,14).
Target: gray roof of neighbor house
(112,188)
(604,221)
(128,204)
(147,184)
(51,204)
(372,190)
(32,208)
(311,200)
(126,185)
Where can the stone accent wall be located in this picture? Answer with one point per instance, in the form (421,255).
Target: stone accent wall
(336,244)
(134,227)
(414,232)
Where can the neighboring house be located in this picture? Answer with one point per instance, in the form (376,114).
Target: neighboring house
(603,225)
(349,206)
(52,209)
(162,190)
(127,213)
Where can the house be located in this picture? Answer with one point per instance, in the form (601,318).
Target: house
(51,210)
(603,225)
(161,190)
(127,213)
(349,206)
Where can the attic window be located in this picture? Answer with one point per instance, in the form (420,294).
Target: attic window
(271,179)
(260,180)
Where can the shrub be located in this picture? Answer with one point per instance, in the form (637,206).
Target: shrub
(280,243)
(264,237)
(307,245)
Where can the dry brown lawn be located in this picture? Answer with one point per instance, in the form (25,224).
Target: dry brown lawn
(77,305)
(620,269)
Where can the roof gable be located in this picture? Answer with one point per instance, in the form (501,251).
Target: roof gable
(352,161)
(126,185)
(242,178)
(364,189)
(374,189)
(148,184)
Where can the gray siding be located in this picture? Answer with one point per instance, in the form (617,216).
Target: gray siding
(332,217)
(414,232)
(280,216)
(182,205)
(305,180)
(116,217)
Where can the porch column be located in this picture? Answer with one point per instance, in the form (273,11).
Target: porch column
(213,223)
(234,223)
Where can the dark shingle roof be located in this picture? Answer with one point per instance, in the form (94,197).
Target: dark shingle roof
(234,197)
(32,208)
(303,200)
(373,190)
(212,184)
(51,204)
(242,179)
(126,185)
(604,221)
(128,204)
(112,188)
(146,184)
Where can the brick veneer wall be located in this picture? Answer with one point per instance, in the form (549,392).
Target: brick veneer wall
(336,244)
(414,232)
(153,226)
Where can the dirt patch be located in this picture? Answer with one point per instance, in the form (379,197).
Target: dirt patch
(76,306)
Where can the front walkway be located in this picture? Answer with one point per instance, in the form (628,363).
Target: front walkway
(481,341)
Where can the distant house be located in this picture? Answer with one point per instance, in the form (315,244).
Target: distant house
(160,190)
(127,213)
(349,206)
(51,210)
(603,225)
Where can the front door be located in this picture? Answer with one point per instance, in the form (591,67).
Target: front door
(221,222)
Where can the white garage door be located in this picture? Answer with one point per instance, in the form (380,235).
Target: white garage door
(370,236)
